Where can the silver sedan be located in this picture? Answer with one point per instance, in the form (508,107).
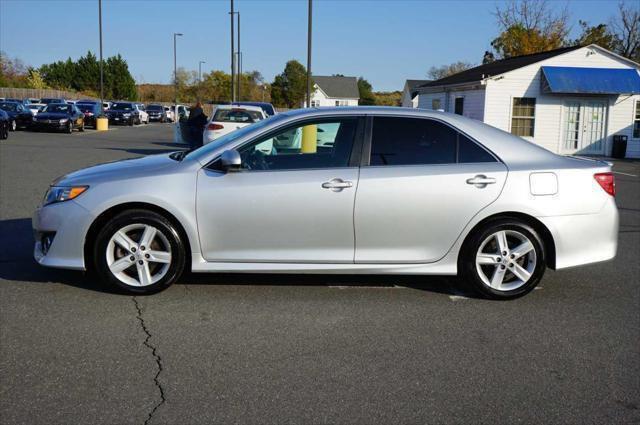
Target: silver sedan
(344,190)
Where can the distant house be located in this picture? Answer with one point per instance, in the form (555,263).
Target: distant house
(335,91)
(571,100)
(409,93)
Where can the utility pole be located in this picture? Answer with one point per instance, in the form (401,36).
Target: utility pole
(175,75)
(239,60)
(309,55)
(101,66)
(200,71)
(233,57)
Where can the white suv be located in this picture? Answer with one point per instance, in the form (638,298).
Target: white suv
(142,113)
(228,118)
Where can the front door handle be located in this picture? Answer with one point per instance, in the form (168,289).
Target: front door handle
(480,181)
(337,185)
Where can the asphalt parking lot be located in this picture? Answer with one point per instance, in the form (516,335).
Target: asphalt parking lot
(300,349)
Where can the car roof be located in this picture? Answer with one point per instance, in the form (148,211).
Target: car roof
(240,106)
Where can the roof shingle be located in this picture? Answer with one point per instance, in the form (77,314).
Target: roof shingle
(334,86)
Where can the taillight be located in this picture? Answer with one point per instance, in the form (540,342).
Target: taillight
(607,182)
(213,126)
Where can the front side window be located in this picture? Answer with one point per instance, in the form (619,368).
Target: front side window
(416,141)
(636,121)
(322,144)
(523,116)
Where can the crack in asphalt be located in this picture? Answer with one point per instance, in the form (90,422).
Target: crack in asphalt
(157,358)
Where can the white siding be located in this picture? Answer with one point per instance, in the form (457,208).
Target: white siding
(318,98)
(622,112)
(473,102)
(525,82)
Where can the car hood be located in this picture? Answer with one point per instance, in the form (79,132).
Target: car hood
(118,170)
(52,115)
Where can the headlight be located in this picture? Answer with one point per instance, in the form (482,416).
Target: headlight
(63,193)
(64,120)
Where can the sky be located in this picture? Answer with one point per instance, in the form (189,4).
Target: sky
(384,41)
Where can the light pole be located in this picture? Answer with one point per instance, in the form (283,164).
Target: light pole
(175,75)
(239,60)
(200,71)
(101,67)
(233,57)
(309,55)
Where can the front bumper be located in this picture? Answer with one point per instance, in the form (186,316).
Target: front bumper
(52,125)
(120,120)
(65,224)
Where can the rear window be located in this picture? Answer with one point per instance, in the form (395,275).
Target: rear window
(154,108)
(237,115)
(122,106)
(85,107)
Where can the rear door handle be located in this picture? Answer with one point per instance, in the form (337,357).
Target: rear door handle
(337,185)
(481,181)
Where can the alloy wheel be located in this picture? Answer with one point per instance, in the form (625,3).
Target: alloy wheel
(506,260)
(14,126)
(138,255)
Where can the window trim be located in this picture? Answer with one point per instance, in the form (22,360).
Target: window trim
(354,156)
(533,118)
(368,137)
(635,118)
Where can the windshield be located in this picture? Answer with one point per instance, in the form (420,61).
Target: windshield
(237,115)
(122,106)
(58,107)
(229,138)
(11,107)
(86,107)
(154,108)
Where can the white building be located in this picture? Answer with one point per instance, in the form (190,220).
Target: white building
(335,91)
(409,94)
(571,100)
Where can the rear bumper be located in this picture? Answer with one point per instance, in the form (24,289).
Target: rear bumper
(586,238)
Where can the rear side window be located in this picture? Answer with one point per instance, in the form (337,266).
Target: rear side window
(237,115)
(416,141)
(412,141)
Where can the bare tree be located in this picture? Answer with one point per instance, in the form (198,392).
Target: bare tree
(626,29)
(438,72)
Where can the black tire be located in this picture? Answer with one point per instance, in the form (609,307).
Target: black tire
(131,122)
(467,260)
(4,132)
(81,128)
(69,128)
(13,126)
(143,217)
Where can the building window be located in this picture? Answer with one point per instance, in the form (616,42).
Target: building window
(636,121)
(523,116)
(315,103)
(459,106)
(341,103)
(435,104)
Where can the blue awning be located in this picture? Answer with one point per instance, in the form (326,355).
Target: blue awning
(561,79)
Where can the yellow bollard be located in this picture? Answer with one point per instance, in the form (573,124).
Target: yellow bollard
(102,124)
(309,139)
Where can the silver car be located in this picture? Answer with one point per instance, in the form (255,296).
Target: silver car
(344,190)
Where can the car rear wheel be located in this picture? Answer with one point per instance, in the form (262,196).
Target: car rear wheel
(4,132)
(139,251)
(504,259)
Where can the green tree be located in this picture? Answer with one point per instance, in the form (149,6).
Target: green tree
(34,79)
(598,34)
(366,92)
(290,87)
(438,72)
(529,26)
(119,82)
(87,75)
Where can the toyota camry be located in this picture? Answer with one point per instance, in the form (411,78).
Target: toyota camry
(337,190)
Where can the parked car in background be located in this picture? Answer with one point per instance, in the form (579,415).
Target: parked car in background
(228,118)
(169,113)
(59,117)
(268,108)
(183,111)
(48,100)
(399,191)
(71,102)
(106,106)
(156,113)
(123,113)
(4,125)
(91,111)
(19,115)
(13,99)
(142,113)
(35,107)
(30,100)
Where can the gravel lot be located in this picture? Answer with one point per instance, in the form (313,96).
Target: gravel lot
(300,349)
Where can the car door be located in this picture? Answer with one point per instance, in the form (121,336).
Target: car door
(422,184)
(289,203)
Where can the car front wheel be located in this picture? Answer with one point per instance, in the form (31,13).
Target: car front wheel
(504,259)
(139,251)
(70,127)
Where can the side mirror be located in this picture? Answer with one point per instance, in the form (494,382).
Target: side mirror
(230,160)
